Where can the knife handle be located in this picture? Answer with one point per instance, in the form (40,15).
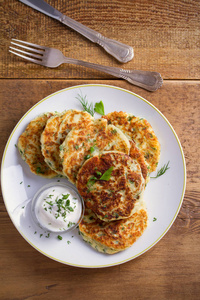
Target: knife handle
(121,52)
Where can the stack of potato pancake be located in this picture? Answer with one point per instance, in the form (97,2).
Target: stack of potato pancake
(108,159)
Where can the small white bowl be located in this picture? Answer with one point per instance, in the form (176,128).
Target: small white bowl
(54,213)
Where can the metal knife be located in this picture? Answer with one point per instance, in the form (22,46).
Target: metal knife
(121,52)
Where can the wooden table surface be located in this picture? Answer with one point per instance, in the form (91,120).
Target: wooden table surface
(165,36)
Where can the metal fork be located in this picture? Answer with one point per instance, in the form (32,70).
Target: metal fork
(52,58)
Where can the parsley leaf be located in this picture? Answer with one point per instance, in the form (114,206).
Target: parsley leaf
(99,108)
(106,176)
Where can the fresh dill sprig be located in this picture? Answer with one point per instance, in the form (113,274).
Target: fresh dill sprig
(86,106)
(162,170)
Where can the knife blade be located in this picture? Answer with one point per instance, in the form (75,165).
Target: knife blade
(120,51)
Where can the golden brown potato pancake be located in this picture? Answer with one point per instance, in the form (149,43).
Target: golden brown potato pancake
(140,131)
(111,184)
(56,131)
(83,143)
(115,236)
(29,147)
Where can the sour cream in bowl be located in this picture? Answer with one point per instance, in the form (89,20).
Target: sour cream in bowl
(57,207)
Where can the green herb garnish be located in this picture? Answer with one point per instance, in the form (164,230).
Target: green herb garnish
(65,196)
(67,203)
(154,219)
(99,108)
(38,170)
(89,107)
(162,170)
(50,203)
(92,180)
(92,149)
(114,131)
(130,118)
(106,176)
(98,173)
(86,106)
(59,237)
(70,224)
(63,206)
(87,156)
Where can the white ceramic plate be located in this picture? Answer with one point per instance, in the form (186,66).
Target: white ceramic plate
(163,195)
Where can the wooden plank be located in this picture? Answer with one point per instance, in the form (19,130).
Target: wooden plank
(164,34)
(170,270)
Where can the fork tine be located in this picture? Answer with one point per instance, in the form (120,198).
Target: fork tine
(27,53)
(30,44)
(36,61)
(28,48)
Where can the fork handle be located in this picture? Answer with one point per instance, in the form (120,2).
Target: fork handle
(121,52)
(150,81)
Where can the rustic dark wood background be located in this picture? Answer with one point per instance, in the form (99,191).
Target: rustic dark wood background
(165,36)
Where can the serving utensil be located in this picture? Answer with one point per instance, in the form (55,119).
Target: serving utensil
(52,58)
(121,52)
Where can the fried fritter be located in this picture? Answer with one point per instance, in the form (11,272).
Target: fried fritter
(56,131)
(139,157)
(141,132)
(111,184)
(115,236)
(29,147)
(83,143)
